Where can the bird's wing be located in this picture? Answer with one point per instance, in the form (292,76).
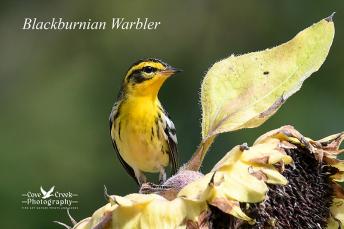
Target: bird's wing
(171,134)
(51,190)
(43,192)
(127,167)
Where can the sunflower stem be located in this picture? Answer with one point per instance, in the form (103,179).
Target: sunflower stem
(195,163)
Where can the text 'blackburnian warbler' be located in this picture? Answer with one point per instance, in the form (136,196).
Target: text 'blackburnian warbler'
(142,133)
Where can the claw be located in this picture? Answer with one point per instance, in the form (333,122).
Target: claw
(148,188)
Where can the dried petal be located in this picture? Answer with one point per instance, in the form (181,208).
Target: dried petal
(336,221)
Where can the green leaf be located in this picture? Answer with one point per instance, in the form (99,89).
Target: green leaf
(244,91)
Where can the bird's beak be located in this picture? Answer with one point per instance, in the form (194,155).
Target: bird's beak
(169,71)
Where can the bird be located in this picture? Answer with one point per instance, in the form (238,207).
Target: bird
(142,132)
(47,194)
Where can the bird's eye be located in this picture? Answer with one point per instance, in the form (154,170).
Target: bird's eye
(149,69)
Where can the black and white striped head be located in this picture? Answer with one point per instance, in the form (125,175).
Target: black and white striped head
(145,77)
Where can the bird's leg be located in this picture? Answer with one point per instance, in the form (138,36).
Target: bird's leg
(162,175)
(141,178)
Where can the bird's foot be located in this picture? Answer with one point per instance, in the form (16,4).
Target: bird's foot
(169,192)
(148,188)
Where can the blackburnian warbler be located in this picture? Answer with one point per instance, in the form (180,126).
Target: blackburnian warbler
(142,133)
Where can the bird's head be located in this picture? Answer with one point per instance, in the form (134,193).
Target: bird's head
(145,77)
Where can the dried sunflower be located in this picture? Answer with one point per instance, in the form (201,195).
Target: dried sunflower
(283,181)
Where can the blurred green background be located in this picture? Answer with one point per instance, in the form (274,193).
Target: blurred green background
(57,88)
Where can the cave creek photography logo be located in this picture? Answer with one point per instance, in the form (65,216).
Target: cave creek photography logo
(49,198)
